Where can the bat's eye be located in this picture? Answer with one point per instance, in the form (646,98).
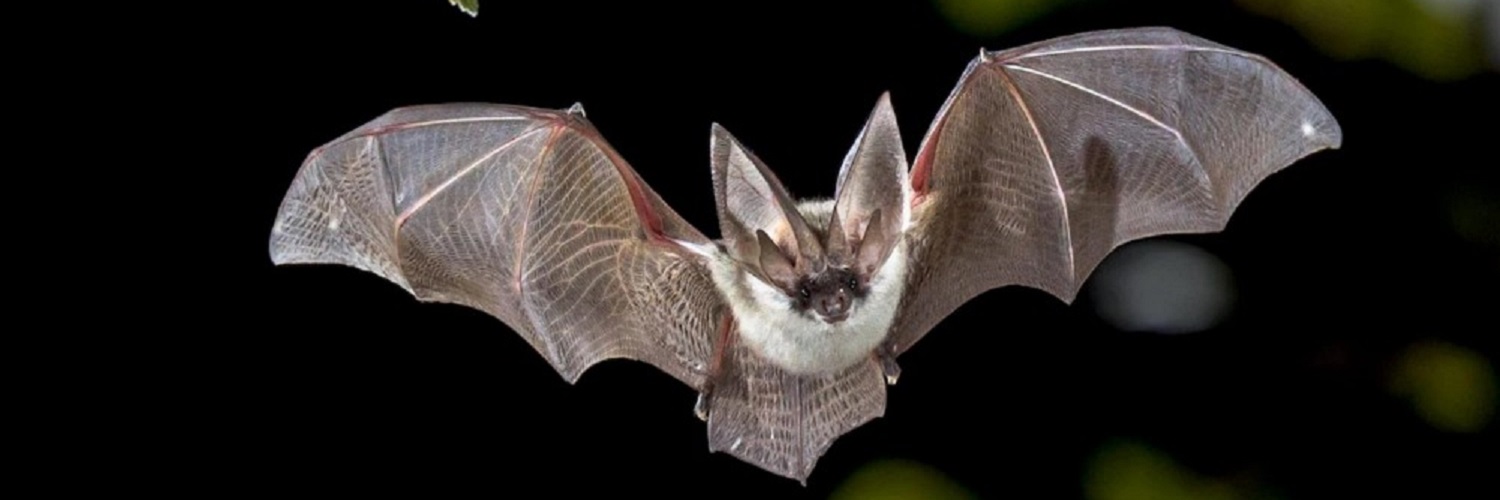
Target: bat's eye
(853,283)
(805,292)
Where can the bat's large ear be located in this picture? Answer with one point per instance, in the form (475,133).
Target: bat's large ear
(750,198)
(871,202)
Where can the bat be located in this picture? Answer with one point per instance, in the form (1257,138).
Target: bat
(1043,159)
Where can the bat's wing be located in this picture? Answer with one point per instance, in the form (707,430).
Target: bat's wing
(524,213)
(1048,156)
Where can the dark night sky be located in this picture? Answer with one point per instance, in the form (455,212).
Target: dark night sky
(344,384)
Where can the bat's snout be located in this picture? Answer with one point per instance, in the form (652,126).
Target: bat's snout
(833,307)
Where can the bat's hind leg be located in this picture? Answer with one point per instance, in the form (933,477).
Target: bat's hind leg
(715,367)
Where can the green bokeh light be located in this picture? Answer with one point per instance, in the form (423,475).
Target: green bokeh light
(1432,38)
(1129,470)
(1451,387)
(987,18)
(900,479)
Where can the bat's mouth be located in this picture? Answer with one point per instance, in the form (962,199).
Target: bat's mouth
(835,319)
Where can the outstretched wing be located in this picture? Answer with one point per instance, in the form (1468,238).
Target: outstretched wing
(1048,156)
(524,213)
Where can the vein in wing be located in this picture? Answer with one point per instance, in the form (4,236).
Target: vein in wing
(528,203)
(1114,48)
(442,121)
(800,432)
(1176,134)
(1111,100)
(427,197)
(1067,229)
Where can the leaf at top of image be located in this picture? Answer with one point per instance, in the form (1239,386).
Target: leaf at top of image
(469,6)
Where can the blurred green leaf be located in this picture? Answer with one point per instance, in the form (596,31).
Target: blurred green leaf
(899,479)
(1451,387)
(1440,44)
(469,6)
(1432,38)
(988,18)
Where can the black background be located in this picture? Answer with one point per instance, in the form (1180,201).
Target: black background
(329,380)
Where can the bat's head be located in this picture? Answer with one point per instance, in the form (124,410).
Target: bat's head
(823,255)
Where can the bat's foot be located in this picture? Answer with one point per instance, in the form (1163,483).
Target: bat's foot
(705,397)
(888,365)
(700,408)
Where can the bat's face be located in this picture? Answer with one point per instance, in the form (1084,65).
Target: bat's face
(822,287)
(819,276)
(828,295)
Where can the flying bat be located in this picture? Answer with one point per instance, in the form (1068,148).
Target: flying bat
(1043,159)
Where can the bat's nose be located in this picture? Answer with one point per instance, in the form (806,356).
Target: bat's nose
(834,306)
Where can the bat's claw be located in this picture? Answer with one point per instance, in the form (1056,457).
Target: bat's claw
(700,408)
(577,109)
(888,365)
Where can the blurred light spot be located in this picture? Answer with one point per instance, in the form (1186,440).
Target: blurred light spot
(902,479)
(1128,470)
(1452,388)
(1436,39)
(987,18)
(1164,287)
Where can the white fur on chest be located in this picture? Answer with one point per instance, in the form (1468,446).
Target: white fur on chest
(804,344)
